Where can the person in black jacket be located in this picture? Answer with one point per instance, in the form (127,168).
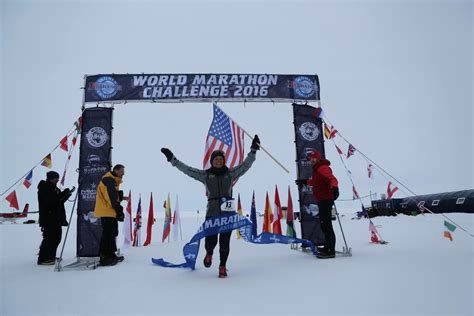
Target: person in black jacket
(52,216)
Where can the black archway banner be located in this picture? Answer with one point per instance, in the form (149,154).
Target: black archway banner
(308,137)
(120,88)
(94,162)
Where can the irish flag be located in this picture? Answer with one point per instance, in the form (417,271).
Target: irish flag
(448,229)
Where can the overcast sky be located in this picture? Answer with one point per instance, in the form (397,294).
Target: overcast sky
(396,81)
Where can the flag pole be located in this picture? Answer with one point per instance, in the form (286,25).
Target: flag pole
(250,136)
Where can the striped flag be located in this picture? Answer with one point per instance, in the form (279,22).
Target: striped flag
(268,216)
(138,224)
(277,213)
(167,223)
(47,161)
(449,228)
(350,151)
(224,135)
(329,132)
(27,181)
(290,229)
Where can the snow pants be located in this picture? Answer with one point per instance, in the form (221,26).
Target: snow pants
(108,246)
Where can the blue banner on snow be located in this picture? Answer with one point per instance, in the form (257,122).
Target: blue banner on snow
(222,224)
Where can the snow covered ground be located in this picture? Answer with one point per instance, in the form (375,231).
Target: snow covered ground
(418,273)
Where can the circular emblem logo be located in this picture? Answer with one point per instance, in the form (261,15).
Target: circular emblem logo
(304,87)
(106,87)
(309,131)
(97,137)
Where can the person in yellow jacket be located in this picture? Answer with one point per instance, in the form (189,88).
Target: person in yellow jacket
(110,212)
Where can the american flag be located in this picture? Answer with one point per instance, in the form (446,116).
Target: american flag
(138,224)
(350,151)
(225,135)
(372,227)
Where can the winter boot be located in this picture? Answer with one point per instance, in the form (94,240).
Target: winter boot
(222,272)
(108,261)
(207,261)
(324,253)
(119,258)
(47,262)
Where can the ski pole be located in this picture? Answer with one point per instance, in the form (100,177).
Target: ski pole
(340,225)
(65,237)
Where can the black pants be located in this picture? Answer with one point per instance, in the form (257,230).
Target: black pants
(224,246)
(108,247)
(325,208)
(51,240)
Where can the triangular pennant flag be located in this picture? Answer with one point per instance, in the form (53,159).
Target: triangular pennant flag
(339,151)
(329,132)
(391,191)
(63,144)
(240,212)
(47,161)
(369,171)
(28,179)
(318,112)
(355,194)
(449,226)
(350,151)
(11,198)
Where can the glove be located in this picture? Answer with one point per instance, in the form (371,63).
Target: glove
(167,153)
(120,194)
(120,215)
(301,182)
(335,192)
(255,143)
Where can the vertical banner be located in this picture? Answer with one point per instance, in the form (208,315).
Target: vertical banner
(308,137)
(94,162)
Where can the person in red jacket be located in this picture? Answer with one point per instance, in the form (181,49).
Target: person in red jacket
(326,191)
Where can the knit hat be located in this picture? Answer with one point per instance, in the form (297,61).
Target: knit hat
(315,155)
(217,153)
(50,175)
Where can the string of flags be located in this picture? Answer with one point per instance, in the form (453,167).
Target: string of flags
(27,179)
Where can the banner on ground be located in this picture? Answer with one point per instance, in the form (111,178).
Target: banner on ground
(308,137)
(120,88)
(94,162)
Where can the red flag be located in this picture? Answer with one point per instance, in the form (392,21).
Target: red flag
(339,151)
(277,214)
(63,144)
(150,222)
(391,191)
(13,200)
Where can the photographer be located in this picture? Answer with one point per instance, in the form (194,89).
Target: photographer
(52,216)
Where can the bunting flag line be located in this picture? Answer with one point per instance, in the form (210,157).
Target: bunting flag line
(63,178)
(369,171)
(150,222)
(355,194)
(63,144)
(290,228)
(47,161)
(78,124)
(239,211)
(391,191)
(277,214)
(329,132)
(138,224)
(176,223)
(28,180)
(350,151)
(267,217)
(449,228)
(167,222)
(222,224)
(12,199)
(127,223)
(225,135)
(339,151)
(253,216)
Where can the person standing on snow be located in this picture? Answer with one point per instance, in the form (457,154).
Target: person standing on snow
(52,216)
(326,191)
(218,180)
(110,212)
